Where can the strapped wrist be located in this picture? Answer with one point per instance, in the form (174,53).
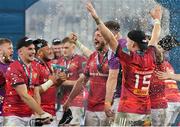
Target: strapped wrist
(78,43)
(47,84)
(157,21)
(107,103)
(97,20)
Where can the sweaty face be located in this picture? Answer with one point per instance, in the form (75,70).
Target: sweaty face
(99,41)
(27,53)
(7,50)
(68,49)
(57,49)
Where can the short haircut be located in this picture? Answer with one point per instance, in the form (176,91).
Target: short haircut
(67,39)
(5,40)
(56,41)
(112,26)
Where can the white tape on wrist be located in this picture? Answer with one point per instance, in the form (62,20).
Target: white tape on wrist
(47,84)
(157,21)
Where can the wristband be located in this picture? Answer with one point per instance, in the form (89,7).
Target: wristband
(157,21)
(97,20)
(107,104)
(46,85)
(78,43)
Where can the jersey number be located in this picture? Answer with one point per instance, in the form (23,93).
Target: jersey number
(145,85)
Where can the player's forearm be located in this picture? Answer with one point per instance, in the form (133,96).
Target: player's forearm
(37,95)
(29,100)
(76,89)
(175,77)
(68,83)
(87,52)
(110,89)
(155,33)
(111,85)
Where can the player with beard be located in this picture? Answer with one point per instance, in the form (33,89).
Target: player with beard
(138,63)
(57,47)
(21,77)
(115,74)
(96,71)
(6,54)
(46,98)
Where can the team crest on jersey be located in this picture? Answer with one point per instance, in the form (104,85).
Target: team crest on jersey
(35,75)
(73,65)
(91,64)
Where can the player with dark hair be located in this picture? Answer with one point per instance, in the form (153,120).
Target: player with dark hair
(138,63)
(21,77)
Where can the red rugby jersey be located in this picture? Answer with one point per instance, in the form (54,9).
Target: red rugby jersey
(74,66)
(171,89)
(48,98)
(157,89)
(97,80)
(137,71)
(15,75)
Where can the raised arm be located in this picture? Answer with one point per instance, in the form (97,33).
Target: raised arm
(156,14)
(106,33)
(86,51)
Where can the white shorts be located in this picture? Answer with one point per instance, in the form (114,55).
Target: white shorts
(158,117)
(77,113)
(16,121)
(96,119)
(1,121)
(172,112)
(131,119)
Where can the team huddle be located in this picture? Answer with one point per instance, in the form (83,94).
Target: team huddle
(124,82)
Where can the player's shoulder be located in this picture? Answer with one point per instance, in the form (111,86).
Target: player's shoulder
(93,54)
(15,63)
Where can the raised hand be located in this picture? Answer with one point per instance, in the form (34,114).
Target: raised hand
(73,37)
(156,13)
(91,10)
